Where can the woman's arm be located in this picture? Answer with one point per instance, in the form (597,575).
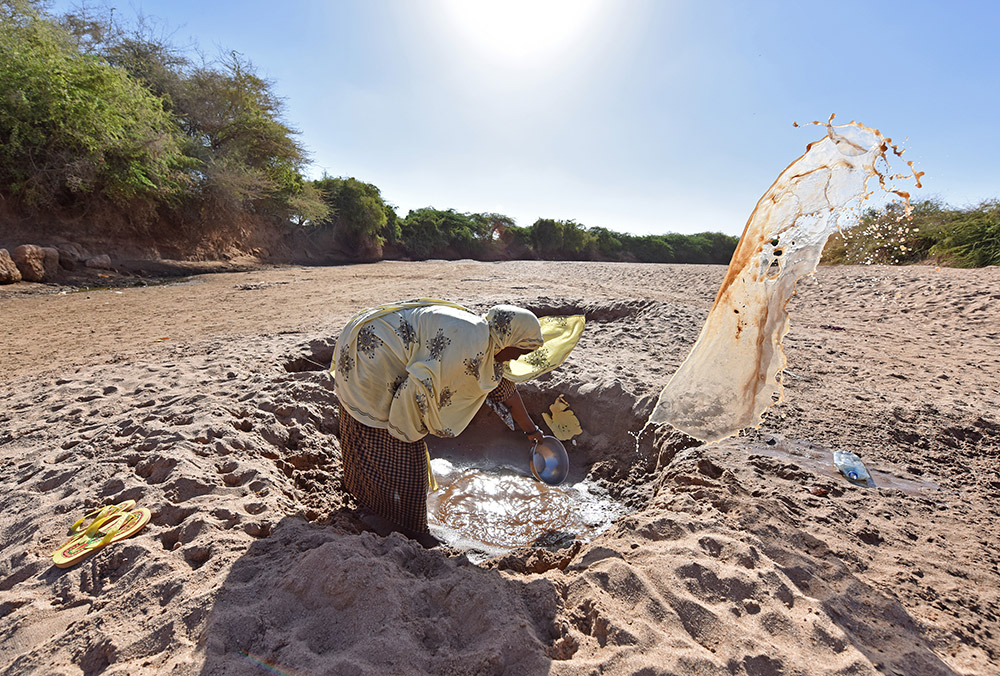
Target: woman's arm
(521,417)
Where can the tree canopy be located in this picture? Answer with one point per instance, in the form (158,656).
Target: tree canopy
(74,128)
(116,123)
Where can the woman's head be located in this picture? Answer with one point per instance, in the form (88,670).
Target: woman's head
(512,326)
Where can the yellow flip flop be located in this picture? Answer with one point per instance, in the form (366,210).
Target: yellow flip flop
(103,531)
(98,513)
(132,522)
(80,546)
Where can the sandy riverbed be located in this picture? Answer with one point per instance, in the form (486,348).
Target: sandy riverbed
(203,401)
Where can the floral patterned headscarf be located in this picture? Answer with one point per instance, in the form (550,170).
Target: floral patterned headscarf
(512,326)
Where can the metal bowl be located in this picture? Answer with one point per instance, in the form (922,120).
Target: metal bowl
(549,461)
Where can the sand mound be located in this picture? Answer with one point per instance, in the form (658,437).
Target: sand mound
(749,556)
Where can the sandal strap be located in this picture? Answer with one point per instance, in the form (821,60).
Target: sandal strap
(98,513)
(89,534)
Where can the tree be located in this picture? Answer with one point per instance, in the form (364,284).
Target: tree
(547,237)
(421,233)
(356,215)
(491,226)
(577,242)
(250,160)
(75,131)
(308,207)
(649,249)
(607,243)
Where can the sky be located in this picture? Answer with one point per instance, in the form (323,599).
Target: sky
(641,116)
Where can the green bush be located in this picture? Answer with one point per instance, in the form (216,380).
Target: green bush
(357,216)
(100,119)
(968,237)
(73,126)
(566,240)
(972,237)
(435,233)
(516,242)
(606,244)
(705,247)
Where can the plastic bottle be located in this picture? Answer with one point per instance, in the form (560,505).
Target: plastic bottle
(850,465)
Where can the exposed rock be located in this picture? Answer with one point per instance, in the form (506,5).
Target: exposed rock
(36,263)
(102,262)
(51,262)
(71,255)
(30,260)
(8,269)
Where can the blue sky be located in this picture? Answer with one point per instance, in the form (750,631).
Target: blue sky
(640,116)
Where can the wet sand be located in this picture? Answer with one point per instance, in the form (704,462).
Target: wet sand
(205,402)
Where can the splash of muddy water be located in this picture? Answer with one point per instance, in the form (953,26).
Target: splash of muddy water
(732,374)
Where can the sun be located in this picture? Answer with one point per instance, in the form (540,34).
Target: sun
(521,33)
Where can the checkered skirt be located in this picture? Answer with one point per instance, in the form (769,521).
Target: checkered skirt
(387,475)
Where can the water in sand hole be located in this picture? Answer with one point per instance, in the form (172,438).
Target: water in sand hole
(494,511)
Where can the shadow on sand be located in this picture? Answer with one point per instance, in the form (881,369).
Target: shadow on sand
(320,599)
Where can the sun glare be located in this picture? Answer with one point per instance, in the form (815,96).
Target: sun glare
(521,32)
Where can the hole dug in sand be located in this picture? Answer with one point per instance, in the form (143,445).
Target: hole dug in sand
(488,503)
(317,358)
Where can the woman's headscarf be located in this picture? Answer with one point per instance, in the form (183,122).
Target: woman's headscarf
(512,326)
(425,366)
(561,334)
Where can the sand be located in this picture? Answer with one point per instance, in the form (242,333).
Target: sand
(204,401)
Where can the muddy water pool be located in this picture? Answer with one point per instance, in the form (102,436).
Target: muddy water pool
(491,511)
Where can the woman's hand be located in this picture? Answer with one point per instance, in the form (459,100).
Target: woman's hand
(521,417)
